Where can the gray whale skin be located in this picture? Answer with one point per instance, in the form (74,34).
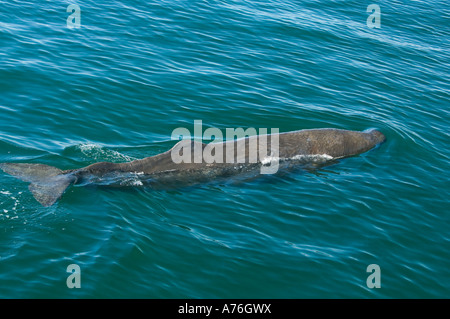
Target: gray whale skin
(48,183)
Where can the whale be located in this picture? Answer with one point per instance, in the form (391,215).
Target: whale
(189,161)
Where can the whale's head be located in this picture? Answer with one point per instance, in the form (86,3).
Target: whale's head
(376,136)
(354,142)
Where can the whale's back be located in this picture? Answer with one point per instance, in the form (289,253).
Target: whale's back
(332,142)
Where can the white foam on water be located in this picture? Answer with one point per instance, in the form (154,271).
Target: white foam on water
(267,160)
(315,158)
(96,151)
(12,202)
(137,183)
(131,182)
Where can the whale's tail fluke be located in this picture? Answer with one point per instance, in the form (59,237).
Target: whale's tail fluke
(47,183)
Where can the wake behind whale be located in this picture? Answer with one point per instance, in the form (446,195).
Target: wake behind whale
(194,162)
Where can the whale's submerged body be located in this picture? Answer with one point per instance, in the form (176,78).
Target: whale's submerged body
(48,183)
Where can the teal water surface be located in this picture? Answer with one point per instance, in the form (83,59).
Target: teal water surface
(115,88)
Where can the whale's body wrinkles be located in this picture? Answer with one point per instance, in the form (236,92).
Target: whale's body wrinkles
(48,183)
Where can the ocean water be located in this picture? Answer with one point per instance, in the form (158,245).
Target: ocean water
(115,88)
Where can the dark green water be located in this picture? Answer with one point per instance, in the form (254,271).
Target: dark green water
(115,89)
